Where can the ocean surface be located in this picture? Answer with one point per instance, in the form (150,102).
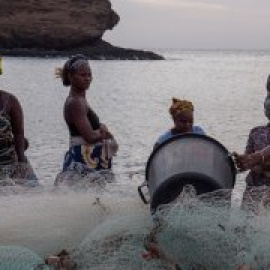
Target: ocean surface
(132,98)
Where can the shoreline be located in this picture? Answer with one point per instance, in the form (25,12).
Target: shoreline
(92,52)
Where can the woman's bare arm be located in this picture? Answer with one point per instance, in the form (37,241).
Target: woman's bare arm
(78,115)
(17,123)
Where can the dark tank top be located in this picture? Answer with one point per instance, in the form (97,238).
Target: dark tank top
(93,119)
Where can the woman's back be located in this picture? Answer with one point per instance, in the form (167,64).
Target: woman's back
(7,146)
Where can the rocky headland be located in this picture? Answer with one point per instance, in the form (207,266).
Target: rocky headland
(48,28)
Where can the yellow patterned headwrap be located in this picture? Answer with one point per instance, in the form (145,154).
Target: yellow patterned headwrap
(178,106)
(1,66)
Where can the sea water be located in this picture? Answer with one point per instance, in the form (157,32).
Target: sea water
(132,98)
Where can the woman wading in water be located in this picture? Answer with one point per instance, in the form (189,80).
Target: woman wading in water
(14,165)
(92,145)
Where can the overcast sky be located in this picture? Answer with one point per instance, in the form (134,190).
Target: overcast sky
(191,24)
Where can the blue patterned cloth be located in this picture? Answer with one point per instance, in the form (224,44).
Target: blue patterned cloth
(92,157)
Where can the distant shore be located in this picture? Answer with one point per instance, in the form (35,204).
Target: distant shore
(105,51)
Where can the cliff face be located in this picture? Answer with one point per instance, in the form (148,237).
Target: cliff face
(61,28)
(54,24)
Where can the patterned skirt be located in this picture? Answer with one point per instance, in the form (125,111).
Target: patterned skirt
(89,157)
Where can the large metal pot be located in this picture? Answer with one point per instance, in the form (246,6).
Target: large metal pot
(188,159)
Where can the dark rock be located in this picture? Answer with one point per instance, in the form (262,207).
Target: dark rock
(60,28)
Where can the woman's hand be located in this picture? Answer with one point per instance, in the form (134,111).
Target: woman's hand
(105,133)
(247,161)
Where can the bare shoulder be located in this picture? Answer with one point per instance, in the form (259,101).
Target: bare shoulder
(6,94)
(10,100)
(74,104)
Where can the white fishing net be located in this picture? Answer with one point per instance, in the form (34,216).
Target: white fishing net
(20,174)
(78,177)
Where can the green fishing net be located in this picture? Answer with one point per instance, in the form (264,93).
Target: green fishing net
(195,232)
(20,258)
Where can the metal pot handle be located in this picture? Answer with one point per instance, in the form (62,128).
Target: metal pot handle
(145,201)
(231,156)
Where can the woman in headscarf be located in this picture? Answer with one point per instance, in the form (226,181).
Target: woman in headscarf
(14,165)
(92,145)
(182,112)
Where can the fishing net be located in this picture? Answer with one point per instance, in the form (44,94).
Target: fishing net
(194,232)
(108,230)
(116,244)
(79,177)
(20,258)
(20,174)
